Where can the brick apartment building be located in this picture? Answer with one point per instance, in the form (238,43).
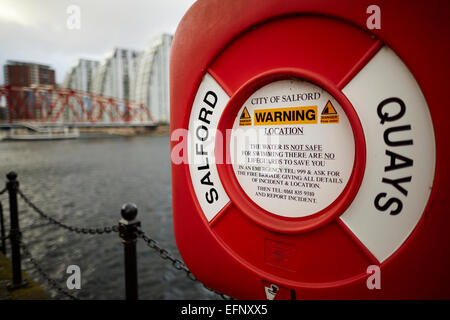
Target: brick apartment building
(25,74)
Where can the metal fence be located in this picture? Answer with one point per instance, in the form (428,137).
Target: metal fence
(128,229)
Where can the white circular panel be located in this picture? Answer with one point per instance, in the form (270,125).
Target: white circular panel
(292,148)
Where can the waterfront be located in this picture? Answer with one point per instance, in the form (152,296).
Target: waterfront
(84,183)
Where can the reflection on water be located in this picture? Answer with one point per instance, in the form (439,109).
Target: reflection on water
(84,183)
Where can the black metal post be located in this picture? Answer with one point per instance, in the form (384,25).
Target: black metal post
(13,185)
(2,231)
(128,233)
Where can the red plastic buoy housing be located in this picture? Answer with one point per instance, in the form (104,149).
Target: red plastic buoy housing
(307,148)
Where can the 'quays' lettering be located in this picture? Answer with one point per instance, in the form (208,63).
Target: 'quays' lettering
(396,161)
(201,135)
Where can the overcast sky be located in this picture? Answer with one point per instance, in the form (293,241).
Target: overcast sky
(37,31)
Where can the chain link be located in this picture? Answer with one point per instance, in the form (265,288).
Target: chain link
(176,263)
(5,237)
(53,283)
(151,243)
(114,228)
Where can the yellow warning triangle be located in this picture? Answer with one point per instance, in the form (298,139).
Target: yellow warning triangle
(245,114)
(329,109)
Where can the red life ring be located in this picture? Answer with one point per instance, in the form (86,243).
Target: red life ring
(310,149)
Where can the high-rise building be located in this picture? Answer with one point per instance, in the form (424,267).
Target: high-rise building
(25,74)
(115,75)
(21,105)
(80,76)
(152,78)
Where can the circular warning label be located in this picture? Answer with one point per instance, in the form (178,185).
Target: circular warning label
(292,148)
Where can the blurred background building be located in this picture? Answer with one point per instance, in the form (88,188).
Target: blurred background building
(128,75)
(115,74)
(151,86)
(80,76)
(26,74)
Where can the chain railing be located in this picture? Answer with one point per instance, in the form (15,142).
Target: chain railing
(176,263)
(103,230)
(129,230)
(53,283)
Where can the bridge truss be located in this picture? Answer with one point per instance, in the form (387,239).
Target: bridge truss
(48,105)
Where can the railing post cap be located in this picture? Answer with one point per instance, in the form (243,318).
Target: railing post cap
(129,211)
(12,175)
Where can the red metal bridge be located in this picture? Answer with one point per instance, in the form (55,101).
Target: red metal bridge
(48,106)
